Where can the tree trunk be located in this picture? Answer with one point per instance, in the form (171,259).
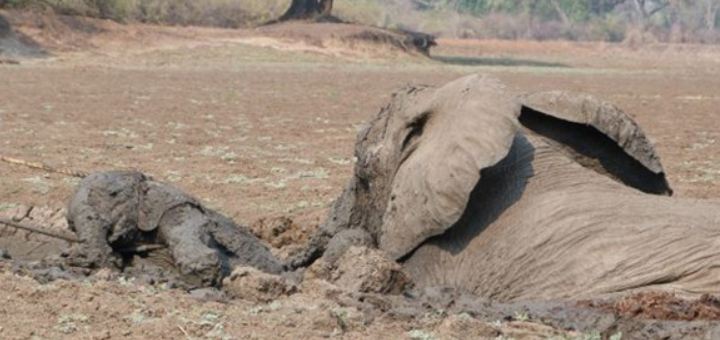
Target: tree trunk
(711,9)
(561,12)
(308,9)
(640,7)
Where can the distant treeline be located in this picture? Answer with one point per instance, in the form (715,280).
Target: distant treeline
(604,20)
(611,20)
(218,13)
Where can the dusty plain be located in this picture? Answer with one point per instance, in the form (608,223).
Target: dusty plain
(261,126)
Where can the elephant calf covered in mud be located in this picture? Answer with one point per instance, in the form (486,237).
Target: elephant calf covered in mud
(545,196)
(115,213)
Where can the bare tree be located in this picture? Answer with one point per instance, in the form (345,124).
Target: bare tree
(648,8)
(711,12)
(561,12)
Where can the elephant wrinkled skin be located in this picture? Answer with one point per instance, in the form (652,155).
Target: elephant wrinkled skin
(115,212)
(550,195)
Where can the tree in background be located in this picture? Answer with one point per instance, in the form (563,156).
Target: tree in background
(710,11)
(308,9)
(645,9)
(610,20)
(691,20)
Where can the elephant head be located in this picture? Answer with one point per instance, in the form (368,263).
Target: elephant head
(544,196)
(414,161)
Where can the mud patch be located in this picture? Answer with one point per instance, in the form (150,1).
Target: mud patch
(121,218)
(663,306)
(363,270)
(138,228)
(251,284)
(28,246)
(279,232)
(549,318)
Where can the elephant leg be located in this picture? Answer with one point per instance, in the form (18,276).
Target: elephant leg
(184,229)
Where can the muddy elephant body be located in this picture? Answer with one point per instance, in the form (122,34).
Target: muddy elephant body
(540,197)
(114,213)
(558,230)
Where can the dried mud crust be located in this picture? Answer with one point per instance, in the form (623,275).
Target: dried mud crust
(82,121)
(270,306)
(117,308)
(662,306)
(280,232)
(348,298)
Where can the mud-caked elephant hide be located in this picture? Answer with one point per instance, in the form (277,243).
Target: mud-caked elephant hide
(541,196)
(116,213)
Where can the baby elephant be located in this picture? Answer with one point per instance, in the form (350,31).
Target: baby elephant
(112,212)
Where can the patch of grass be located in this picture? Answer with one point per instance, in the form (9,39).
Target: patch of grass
(418,334)
(71,323)
(521,316)
(364,11)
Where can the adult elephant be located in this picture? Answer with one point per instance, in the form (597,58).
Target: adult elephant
(551,195)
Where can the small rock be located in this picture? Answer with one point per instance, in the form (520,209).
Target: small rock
(464,326)
(368,270)
(50,274)
(4,255)
(254,285)
(320,269)
(105,274)
(16,213)
(343,241)
(208,294)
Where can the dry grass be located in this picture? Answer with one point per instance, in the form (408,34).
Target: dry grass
(219,13)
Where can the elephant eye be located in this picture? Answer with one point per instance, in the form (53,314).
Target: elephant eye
(415,129)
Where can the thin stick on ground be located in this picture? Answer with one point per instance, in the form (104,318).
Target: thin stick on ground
(41,166)
(187,335)
(135,249)
(37,230)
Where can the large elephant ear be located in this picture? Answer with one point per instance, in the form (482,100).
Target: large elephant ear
(598,135)
(457,130)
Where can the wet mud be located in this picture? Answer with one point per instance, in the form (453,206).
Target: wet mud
(128,221)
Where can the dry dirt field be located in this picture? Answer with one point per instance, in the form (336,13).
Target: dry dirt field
(262,127)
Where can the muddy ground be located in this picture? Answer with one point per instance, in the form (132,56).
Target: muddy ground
(261,127)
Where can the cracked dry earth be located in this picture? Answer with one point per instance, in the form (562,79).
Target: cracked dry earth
(265,136)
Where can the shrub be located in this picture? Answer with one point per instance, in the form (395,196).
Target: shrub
(221,13)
